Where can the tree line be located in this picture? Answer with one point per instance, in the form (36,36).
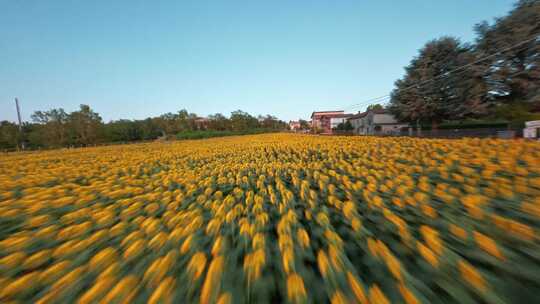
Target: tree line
(496,77)
(84,127)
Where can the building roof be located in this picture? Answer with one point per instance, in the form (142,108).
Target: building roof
(326,113)
(339,115)
(358,115)
(364,114)
(383,111)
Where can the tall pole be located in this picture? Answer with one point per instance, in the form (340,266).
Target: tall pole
(18,113)
(21,142)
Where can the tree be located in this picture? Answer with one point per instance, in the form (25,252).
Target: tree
(56,128)
(168,123)
(123,130)
(149,129)
(85,126)
(512,72)
(53,126)
(271,122)
(429,91)
(185,121)
(241,120)
(192,121)
(345,126)
(218,122)
(9,135)
(304,125)
(375,107)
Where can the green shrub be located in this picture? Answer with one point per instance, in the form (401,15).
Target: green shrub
(200,134)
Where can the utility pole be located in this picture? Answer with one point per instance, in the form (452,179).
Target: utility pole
(21,142)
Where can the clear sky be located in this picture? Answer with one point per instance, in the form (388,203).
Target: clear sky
(134,59)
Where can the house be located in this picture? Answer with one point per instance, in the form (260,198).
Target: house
(358,121)
(294,125)
(202,123)
(375,122)
(532,129)
(325,121)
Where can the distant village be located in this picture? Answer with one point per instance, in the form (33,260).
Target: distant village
(370,122)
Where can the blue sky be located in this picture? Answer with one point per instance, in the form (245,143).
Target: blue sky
(134,59)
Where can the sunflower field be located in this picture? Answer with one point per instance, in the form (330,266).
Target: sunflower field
(274,218)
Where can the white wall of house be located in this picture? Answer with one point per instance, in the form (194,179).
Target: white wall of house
(355,122)
(376,124)
(384,119)
(358,125)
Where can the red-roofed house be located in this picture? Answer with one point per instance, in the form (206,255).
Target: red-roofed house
(325,121)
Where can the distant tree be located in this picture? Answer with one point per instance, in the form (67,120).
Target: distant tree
(181,121)
(218,122)
(168,123)
(9,135)
(512,72)
(123,130)
(149,129)
(271,122)
(345,126)
(241,120)
(53,126)
(185,121)
(429,92)
(304,124)
(192,121)
(85,126)
(32,136)
(375,107)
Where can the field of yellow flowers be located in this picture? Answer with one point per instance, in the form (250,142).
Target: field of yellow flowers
(276,218)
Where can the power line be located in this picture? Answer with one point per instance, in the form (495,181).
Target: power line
(384,97)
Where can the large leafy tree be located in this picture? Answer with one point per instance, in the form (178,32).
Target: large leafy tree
(241,120)
(168,123)
(375,107)
(218,122)
(435,86)
(304,124)
(271,122)
(123,130)
(9,135)
(85,126)
(172,123)
(53,126)
(512,45)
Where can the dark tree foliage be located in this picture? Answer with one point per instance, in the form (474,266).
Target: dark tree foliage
(9,135)
(512,74)
(428,92)
(375,107)
(241,120)
(304,124)
(85,126)
(57,128)
(54,126)
(449,80)
(345,126)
